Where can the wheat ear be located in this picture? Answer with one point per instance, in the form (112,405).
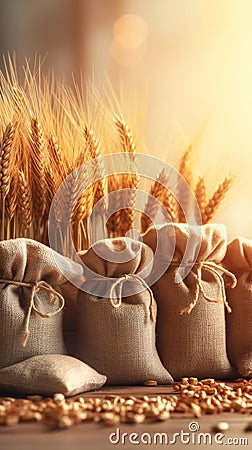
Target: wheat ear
(54,151)
(114,222)
(127,141)
(186,172)
(50,187)
(5,156)
(37,169)
(55,171)
(215,201)
(24,203)
(151,207)
(100,187)
(83,207)
(130,180)
(171,206)
(185,165)
(11,204)
(11,198)
(72,187)
(80,217)
(200,194)
(5,173)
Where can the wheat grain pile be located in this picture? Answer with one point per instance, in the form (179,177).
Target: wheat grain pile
(48,129)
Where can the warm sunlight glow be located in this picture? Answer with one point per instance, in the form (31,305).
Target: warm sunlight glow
(130,31)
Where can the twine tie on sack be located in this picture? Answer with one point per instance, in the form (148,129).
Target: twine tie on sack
(35,287)
(214,269)
(119,282)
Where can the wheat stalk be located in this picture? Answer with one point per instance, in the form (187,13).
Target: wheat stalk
(24,203)
(130,180)
(151,207)
(127,141)
(11,198)
(37,169)
(171,206)
(215,201)
(46,161)
(186,172)
(55,173)
(100,187)
(5,169)
(82,208)
(200,194)
(185,165)
(128,214)
(71,188)
(76,206)
(84,203)
(50,185)
(81,214)
(92,143)
(114,222)
(54,151)
(11,205)
(5,157)
(20,102)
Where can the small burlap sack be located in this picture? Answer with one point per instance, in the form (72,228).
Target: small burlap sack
(238,259)
(30,307)
(116,333)
(191,334)
(50,374)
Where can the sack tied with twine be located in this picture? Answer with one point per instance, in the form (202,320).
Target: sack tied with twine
(191,299)
(30,304)
(238,259)
(117,314)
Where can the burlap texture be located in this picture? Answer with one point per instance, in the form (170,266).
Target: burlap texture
(69,293)
(120,342)
(238,259)
(50,374)
(27,261)
(191,344)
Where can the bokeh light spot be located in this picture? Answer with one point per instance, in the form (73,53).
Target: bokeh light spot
(130,31)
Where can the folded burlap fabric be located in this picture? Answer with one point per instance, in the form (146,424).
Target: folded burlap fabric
(191,333)
(238,259)
(30,304)
(50,374)
(117,313)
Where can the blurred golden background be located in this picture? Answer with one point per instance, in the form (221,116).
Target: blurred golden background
(185,67)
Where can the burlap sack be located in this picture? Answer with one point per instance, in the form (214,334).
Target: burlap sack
(191,334)
(50,374)
(238,259)
(30,307)
(69,292)
(116,334)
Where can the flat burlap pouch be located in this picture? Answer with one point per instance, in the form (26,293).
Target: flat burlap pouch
(30,307)
(191,334)
(116,331)
(238,259)
(50,374)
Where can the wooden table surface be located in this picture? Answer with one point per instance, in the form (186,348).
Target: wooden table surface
(91,436)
